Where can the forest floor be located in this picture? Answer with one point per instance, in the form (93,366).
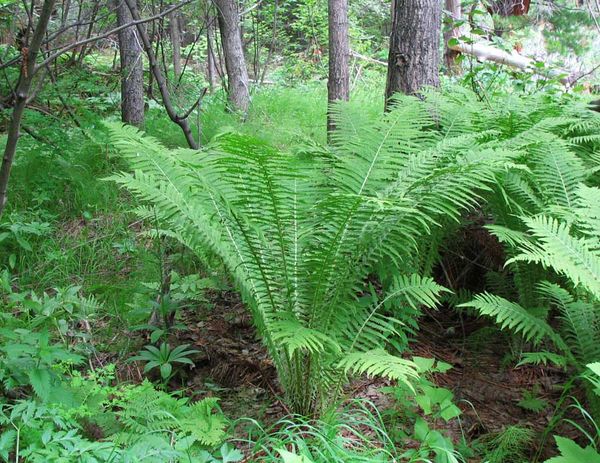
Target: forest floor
(232,364)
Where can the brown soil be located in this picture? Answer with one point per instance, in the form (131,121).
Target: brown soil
(233,365)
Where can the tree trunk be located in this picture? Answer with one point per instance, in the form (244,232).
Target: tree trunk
(90,30)
(176,43)
(211,66)
(181,121)
(451,32)
(338,84)
(414,57)
(22,95)
(132,69)
(235,63)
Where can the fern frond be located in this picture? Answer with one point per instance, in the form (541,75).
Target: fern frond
(513,317)
(204,422)
(555,247)
(300,233)
(587,211)
(542,358)
(580,322)
(292,336)
(378,362)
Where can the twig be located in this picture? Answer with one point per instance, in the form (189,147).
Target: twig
(189,111)
(367,58)
(95,38)
(158,75)
(37,136)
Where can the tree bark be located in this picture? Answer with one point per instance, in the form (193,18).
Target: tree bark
(175,43)
(235,63)
(181,121)
(414,57)
(338,83)
(132,69)
(90,30)
(26,76)
(211,66)
(451,32)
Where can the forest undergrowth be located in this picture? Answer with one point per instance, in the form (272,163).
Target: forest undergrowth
(179,321)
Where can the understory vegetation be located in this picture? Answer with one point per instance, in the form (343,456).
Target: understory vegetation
(404,279)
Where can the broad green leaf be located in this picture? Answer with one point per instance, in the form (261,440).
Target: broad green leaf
(570,452)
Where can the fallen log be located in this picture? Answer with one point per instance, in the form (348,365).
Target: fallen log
(484,51)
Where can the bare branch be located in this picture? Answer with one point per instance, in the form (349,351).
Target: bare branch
(95,38)
(21,95)
(159,76)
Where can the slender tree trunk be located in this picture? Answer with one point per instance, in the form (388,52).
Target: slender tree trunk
(84,48)
(414,57)
(11,30)
(237,73)
(176,43)
(22,95)
(211,67)
(273,41)
(452,32)
(181,121)
(64,19)
(132,69)
(64,15)
(338,84)
(77,21)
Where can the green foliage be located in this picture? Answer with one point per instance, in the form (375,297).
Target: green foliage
(20,233)
(511,445)
(138,423)
(546,216)
(511,316)
(300,233)
(567,34)
(432,402)
(570,451)
(147,410)
(164,358)
(532,402)
(555,246)
(332,247)
(573,453)
(353,434)
(29,358)
(432,442)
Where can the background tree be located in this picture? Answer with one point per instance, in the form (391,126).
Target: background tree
(22,95)
(237,73)
(451,31)
(180,119)
(338,84)
(414,56)
(132,68)
(175,34)
(212,71)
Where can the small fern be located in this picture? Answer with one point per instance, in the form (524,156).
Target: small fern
(511,445)
(146,410)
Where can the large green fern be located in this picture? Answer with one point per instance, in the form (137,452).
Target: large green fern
(547,216)
(301,233)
